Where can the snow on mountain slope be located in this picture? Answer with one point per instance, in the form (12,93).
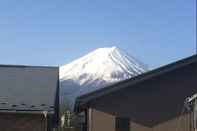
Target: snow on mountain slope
(95,70)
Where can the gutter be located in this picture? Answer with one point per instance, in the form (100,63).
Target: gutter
(25,112)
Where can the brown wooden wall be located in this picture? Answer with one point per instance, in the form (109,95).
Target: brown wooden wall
(152,105)
(101,121)
(21,122)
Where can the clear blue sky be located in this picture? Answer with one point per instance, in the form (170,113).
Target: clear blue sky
(55,32)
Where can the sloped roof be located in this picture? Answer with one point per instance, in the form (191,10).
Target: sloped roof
(28,88)
(84,100)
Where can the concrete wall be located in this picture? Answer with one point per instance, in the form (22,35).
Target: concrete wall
(22,122)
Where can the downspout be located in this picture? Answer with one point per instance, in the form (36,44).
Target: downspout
(90,119)
(195,114)
(45,117)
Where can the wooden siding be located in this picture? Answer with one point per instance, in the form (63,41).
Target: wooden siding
(101,121)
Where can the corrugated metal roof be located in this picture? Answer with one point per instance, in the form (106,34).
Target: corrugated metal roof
(28,88)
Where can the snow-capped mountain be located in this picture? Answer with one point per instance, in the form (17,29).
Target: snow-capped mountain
(96,70)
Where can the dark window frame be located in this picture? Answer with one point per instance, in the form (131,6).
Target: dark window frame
(122,124)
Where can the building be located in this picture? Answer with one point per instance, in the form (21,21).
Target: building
(29,98)
(153,101)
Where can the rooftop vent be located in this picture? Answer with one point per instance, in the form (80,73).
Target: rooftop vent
(14,105)
(51,106)
(4,103)
(32,106)
(43,104)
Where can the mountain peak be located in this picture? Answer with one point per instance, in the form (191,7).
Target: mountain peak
(102,63)
(104,51)
(107,49)
(97,69)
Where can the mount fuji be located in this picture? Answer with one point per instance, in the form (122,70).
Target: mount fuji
(96,70)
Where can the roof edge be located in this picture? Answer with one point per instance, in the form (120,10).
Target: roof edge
(26,111)
(24,66)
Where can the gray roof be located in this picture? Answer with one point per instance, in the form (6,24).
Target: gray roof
(32,88)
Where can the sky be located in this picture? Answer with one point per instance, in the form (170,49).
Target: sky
(55,32)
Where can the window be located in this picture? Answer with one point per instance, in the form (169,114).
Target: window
(122,124)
